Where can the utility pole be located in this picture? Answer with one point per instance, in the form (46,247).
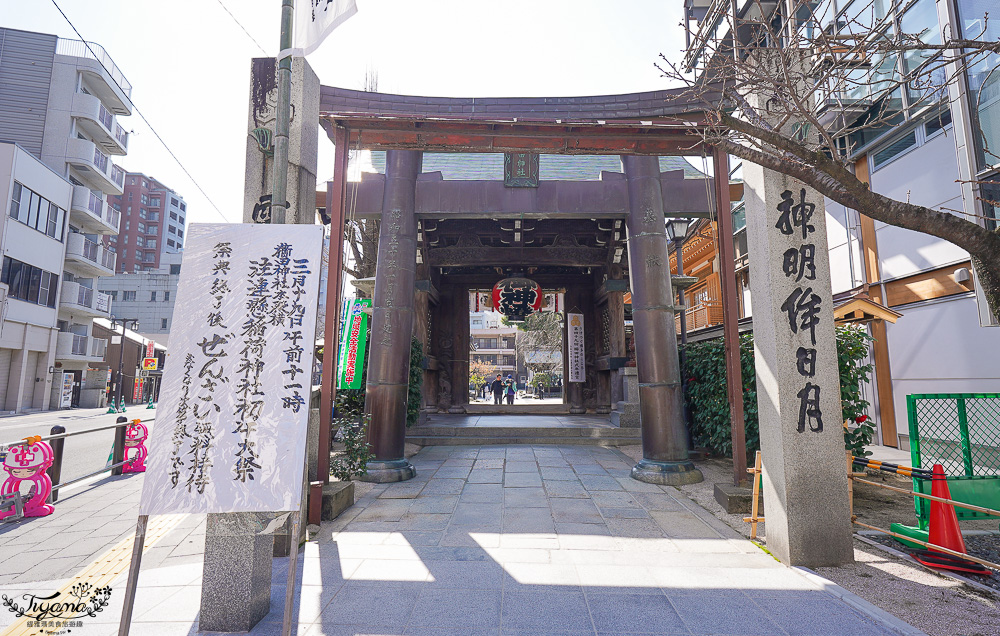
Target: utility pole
(121,353)
(279,189)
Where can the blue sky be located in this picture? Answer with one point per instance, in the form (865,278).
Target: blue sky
(188,62)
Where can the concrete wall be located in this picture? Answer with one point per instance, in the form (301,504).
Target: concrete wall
(925,175)
(25,72)
(939,347)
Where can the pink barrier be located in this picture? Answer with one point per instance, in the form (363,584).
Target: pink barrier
(135,439)
(28,462)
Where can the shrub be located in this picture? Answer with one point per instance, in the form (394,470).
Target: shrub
(708,399)
(414,391)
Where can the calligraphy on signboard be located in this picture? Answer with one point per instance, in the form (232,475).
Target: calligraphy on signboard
(576,347)
(236,408)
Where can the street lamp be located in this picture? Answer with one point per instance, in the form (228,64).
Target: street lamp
(121,352)
(677,230)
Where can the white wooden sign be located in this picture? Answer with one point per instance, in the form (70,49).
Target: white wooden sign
(230,428)
(574,343)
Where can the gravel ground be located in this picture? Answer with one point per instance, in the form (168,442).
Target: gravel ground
(932,603)
(984,547)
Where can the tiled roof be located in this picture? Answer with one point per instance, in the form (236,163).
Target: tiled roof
(489,166)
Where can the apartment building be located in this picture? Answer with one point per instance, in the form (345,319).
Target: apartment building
(32,239)
(154,221)
(61,100)
(929,155)
(146,296)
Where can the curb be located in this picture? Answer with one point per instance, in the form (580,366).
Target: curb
(860,604)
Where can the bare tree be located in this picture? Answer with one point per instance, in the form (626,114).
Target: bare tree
(362,234)
(800,95)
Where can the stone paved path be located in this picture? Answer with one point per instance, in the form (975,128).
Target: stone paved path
(515,540)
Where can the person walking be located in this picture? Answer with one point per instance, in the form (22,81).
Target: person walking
(497,388)
(511,390)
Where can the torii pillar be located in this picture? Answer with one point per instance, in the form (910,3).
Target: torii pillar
(392,321)
(665,458)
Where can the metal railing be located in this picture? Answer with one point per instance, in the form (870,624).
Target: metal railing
(113,216)
(94,51)
(100,159)
(117,175)
(95,203)
(106,118)
(57,440)
(121,135)
(79,345)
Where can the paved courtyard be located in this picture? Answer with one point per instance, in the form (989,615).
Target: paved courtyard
(511,540)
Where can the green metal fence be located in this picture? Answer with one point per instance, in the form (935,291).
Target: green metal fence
(960,431)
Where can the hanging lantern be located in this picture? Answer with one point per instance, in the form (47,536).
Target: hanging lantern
(517,297)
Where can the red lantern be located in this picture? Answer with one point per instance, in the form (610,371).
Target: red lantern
(516,298)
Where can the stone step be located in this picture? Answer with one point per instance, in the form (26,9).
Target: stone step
(523,408)
(452,435)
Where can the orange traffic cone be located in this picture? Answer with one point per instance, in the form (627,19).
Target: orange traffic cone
(944,532)
(944,529)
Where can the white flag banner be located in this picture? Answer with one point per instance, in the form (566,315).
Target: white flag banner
(314,20)
(574,342)
(230,429)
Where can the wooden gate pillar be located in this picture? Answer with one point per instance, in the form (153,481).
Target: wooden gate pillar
(460,351)
(392,322)
(664,435)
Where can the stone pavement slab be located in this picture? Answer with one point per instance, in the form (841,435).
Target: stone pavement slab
(476,558)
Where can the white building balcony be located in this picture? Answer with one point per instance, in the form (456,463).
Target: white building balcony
(71,346)
(99,123)
(77,299)
(92,213)
(90,161)
(107,79)
(88,258)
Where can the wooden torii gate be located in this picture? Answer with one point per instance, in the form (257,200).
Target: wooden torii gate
(638,126)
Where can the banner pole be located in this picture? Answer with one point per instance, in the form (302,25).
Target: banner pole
(133,575)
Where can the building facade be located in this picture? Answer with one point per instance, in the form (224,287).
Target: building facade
(147,296)
(61,101)
(32,238)
(154,221)
(940,343)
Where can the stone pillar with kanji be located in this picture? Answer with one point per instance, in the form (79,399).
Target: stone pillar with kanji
(798,387)
(392,320)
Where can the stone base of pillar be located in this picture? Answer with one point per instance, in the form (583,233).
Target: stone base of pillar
(666,473)
(457,409)
(578,410)
(387,472)
(603,410)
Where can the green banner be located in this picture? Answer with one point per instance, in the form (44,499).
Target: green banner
(353,337)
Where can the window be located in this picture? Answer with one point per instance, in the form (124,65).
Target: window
(153,216)
(142,213)
(142,228)
(163,323)
(140,241)
(180,233)
(181,220)
(111,249)
(155,202)
(170,243)
(145,184)
(172,229)
(183,208)
(150,242)
(138,255)
(29,283)
(152,296)
(130,198)
(937,124)
(175,269)
(37,212)
(153,229)
(128,296)
(125,240)
(113,294)
(173,201)
(173,216)
(126,225)
(148,257)
(144,199)
(166,296)
(890,152)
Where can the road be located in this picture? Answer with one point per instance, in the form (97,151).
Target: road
(82,454)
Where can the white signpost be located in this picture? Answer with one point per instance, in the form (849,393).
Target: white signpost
(230,435)
(575,345)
